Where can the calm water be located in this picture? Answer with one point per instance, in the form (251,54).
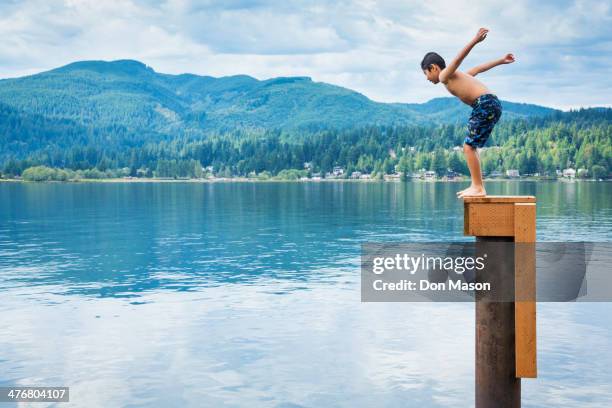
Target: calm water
(238,294)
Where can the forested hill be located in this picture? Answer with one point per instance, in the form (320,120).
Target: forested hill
(106,119)
(130,95)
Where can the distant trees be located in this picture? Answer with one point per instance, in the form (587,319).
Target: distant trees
(439,162)
(44,173)
(599,171)
(291,174)
(581,139)
(457,164)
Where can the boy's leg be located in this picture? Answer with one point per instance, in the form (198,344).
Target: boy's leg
(473,162)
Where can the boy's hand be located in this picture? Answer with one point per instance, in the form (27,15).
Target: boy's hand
(508,59)
(481,35)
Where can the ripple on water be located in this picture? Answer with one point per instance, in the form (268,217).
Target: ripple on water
(248,295)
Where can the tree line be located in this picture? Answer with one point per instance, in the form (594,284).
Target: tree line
(542,145)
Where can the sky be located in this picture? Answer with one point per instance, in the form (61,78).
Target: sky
(563,48)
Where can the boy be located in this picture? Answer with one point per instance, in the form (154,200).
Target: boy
(486,107)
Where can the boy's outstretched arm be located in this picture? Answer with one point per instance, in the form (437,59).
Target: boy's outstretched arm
(507,59)
(452,67)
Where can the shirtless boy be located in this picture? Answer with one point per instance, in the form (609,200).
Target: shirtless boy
(486,108)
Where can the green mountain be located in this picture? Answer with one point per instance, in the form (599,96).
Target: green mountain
(131,95)
(106,119)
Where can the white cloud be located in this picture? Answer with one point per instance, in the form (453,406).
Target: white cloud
(373,47)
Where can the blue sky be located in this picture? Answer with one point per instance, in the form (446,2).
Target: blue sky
(563,48)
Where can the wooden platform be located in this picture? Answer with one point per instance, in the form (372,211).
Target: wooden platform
(492,216)
(512,217)
(500,199)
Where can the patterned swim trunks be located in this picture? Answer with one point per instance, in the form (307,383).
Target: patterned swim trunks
(486,111)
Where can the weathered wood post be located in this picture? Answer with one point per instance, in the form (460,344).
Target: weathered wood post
(505,330)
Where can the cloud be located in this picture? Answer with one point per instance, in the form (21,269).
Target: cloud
(562,47)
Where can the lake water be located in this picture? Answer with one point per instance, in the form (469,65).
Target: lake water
(247,294)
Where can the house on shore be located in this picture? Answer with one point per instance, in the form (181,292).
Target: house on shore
(513,173)
(392,177)
(569,173)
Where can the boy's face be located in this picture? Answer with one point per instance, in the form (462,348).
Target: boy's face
(433,73)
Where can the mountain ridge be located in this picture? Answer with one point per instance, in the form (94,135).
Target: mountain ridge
(131,94)
(117,118)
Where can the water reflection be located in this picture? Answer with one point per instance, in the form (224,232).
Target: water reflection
(245,294)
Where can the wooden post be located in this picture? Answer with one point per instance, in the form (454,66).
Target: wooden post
(505,331)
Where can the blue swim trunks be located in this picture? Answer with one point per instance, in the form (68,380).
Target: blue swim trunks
(486,111)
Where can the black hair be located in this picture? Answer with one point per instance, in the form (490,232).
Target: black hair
(432,58)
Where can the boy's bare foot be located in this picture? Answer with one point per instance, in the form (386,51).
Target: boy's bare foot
(461,191)
(473,191)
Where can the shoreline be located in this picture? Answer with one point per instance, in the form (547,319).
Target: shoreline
(248,180)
